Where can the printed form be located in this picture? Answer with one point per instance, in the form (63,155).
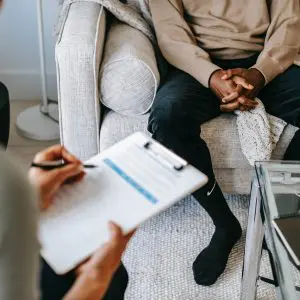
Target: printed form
(131,184)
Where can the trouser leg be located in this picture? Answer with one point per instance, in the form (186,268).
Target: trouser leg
(181,105)
(54,287)
(281,98)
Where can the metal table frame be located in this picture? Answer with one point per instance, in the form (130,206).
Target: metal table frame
(261,212)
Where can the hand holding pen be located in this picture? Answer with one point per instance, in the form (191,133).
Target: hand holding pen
(51,169)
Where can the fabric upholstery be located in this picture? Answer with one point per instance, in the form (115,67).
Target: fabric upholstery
(129,75)
(220,135)
(78,55)
(232,170)
(237,181)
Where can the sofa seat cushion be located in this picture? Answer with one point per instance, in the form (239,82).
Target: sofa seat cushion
(220,135)
(129,74)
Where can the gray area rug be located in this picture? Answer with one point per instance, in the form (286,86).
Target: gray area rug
(160,256)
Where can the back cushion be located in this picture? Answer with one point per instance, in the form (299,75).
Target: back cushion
(129,75)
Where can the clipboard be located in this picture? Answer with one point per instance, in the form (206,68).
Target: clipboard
(135,180)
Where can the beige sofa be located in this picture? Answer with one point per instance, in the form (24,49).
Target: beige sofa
(87,127)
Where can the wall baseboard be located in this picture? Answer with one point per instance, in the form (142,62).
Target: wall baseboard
(26,84)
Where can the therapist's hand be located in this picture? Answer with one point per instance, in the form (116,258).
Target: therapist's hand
(95,275)
(48,182)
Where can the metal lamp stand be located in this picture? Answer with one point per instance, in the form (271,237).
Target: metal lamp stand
(40,122)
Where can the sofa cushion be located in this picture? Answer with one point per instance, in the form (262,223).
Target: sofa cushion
(129,75)
(237,181)
(220,135)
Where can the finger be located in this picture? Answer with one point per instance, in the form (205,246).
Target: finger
(69,157)
(231,85)
(130,234)
(55,152)
(243,82)
(49,154)
(52,181)
(233,96)
(58,177)
(63,174)
(232,72)
(115,231)
(55,179)
(242,108)
(230,106)
(45,202)
(230,97)
(247,103)
(117,236)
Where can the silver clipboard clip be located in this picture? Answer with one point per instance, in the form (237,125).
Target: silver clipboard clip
(165,157)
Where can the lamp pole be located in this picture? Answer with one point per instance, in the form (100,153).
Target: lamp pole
(40,122)
(39,5)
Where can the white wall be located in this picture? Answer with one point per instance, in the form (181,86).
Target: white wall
(19,56)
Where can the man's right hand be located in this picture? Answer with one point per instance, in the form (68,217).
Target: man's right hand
(49,182)
(223,88)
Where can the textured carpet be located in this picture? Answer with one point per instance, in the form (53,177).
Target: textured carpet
(160,256)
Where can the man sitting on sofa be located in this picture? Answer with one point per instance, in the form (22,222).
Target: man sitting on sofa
(223,54)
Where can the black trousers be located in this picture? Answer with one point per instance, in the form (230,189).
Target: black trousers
(54,287)
(182,103)
(4,115)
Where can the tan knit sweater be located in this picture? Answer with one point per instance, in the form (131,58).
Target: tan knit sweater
(191,32)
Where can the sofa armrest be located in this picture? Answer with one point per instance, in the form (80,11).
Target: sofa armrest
(78,55)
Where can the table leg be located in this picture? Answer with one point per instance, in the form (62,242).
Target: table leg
(253,245)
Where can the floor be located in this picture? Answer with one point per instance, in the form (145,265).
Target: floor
(23,149)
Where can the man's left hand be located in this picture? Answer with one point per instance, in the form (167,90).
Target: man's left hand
(250,76)
(95,275)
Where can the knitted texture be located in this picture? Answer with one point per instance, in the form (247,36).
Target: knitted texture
(259,133)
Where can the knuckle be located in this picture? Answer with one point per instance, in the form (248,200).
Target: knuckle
(39,157)
(230,84)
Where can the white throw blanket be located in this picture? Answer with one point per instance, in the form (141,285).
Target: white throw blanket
(258,131)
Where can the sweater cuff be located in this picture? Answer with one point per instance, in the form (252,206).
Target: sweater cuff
(204,71)
(269,67)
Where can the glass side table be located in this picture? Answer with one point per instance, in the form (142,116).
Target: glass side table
(275,192)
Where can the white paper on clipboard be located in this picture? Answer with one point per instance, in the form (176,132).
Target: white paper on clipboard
(136,179)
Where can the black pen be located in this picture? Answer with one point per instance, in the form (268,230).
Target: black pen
(50,165)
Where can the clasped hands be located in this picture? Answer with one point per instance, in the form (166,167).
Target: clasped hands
(237,88)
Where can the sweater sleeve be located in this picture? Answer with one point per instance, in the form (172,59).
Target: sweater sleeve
(177,41)
(282,39)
